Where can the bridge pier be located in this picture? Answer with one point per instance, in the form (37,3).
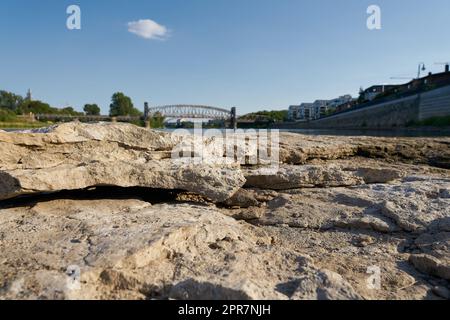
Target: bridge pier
(147,116)
(146,111)
(233,119)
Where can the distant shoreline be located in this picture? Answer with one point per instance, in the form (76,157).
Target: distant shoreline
(23,125)
(386,132)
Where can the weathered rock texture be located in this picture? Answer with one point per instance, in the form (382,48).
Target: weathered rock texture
(77,156)
(336,211)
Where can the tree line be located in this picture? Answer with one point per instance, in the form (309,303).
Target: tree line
(274,116)
(12,103)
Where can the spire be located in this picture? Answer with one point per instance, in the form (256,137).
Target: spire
(29,97)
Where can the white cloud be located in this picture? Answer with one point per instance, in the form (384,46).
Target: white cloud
(148,29)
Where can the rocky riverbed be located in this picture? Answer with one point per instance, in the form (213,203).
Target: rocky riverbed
(103,211)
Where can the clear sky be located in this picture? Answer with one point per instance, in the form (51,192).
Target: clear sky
(253,54)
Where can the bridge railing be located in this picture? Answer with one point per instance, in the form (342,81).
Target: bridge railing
(171,111)
(191,111)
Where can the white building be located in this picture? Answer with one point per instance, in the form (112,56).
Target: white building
(300,112)
(317,109)
(293,113)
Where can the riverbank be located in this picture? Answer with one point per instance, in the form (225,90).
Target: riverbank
(338,217)
(411,131)
(23,125)
(392,132)
(421,131)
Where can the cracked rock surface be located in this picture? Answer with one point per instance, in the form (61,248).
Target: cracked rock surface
(77,156)
(101,211)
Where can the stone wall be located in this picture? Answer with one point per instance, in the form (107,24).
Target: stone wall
(397,113)
(435,103)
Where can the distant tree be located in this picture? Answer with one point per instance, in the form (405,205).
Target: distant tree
(9,100)
(92,109)
(122,106)
(276,116)
(69,111)
(36,107)
(361,98)
(157,120)
(7,115)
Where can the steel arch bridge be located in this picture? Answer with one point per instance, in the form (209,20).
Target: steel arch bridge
(185,111)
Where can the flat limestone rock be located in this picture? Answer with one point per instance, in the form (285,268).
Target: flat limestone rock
(242,198)
(217,184)
(413,204)
(431,265)
(335,207)
(434,258)
(122,249)
(297,212)
(324,285)
(125,134)
(308,176)
(77,156)
(301,149)
(192,289)
(418,204)
(369,223)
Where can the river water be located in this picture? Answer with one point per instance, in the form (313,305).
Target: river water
(358,132)
(345,132)
(375,133)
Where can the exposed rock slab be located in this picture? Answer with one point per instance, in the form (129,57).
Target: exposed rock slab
(130,249)
(324,285)
(313,227)
(76,156)
(217,184)
(368,222)
(431,265)
(308,176)
(415,204)
(301,149)
(340,251)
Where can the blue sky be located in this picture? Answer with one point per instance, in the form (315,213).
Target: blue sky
(253,54)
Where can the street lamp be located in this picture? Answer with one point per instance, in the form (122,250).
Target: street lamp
(420,68)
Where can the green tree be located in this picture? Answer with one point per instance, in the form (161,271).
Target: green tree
(7,115)
(69,111)
(9,100)
(276,116)
(361,98)
(122,106)
(157,120)
(92,109)
(36,107)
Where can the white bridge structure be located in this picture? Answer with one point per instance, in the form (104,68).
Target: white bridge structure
(179,112)
(185,111)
